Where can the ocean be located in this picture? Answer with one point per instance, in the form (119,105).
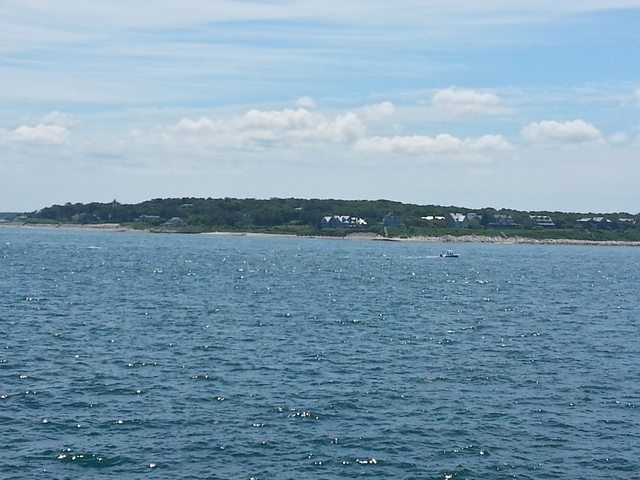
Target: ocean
(139,355)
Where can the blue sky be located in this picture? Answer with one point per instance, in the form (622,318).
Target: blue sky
(503,103)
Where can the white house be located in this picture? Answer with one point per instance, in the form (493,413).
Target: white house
(599,222)
(342,221)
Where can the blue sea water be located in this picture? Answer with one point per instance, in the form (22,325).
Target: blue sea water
(132,355)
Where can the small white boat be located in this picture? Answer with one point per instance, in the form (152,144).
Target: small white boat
(449,254)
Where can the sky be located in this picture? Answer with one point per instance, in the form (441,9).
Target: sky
(494,103)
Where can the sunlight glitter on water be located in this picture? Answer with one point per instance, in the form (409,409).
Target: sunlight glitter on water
(367,357)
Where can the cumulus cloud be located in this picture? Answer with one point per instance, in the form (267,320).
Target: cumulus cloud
(426,144)
(378,111)
(301,124)
(41,134)
(51,129)
(264,127)
(469,102)
(344,128)
(199,124)
(286,119)
(551,131)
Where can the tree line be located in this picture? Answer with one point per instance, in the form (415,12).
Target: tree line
(304,215)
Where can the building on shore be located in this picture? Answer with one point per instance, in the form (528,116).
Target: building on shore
(457,220)
(542,221)
(502,221)
(391,220)
(175,222)
(595,222)
(342,221)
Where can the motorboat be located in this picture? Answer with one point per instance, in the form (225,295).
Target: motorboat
(449,254)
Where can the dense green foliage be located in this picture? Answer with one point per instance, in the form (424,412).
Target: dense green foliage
(303,217)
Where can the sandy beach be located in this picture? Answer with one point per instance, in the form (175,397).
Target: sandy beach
(110,227)
(520,240)
(444,239)
(364,236)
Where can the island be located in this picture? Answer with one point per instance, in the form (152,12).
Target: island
(381,219)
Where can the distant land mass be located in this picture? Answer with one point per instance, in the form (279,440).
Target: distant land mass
(330,217)
(8,216)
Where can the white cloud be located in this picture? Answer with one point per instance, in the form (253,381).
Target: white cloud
(273,127)
(51,129)
(465,101)
(286,119)
(378,111)
(344,128)
(41,134)
(306,102)
(301,125)
(425,144)
(551,131)
(199,124)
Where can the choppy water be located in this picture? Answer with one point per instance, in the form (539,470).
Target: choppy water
(165,356)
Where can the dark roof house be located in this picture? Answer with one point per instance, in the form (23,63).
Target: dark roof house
(391,220)
(502,221)
(175,222)
(457,220)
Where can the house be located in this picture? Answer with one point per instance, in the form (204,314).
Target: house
(502,221)
(457,220)
(342,221)
(147,219)
(432,218)
(595,222)
(175,222)
(542,221)
(472,216)
(391,220)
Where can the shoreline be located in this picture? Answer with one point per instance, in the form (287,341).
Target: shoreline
(106,227)
(522,241)
(516,240)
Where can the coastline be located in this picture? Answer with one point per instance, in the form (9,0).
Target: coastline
(522,241)
(115,227)
(106,227)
